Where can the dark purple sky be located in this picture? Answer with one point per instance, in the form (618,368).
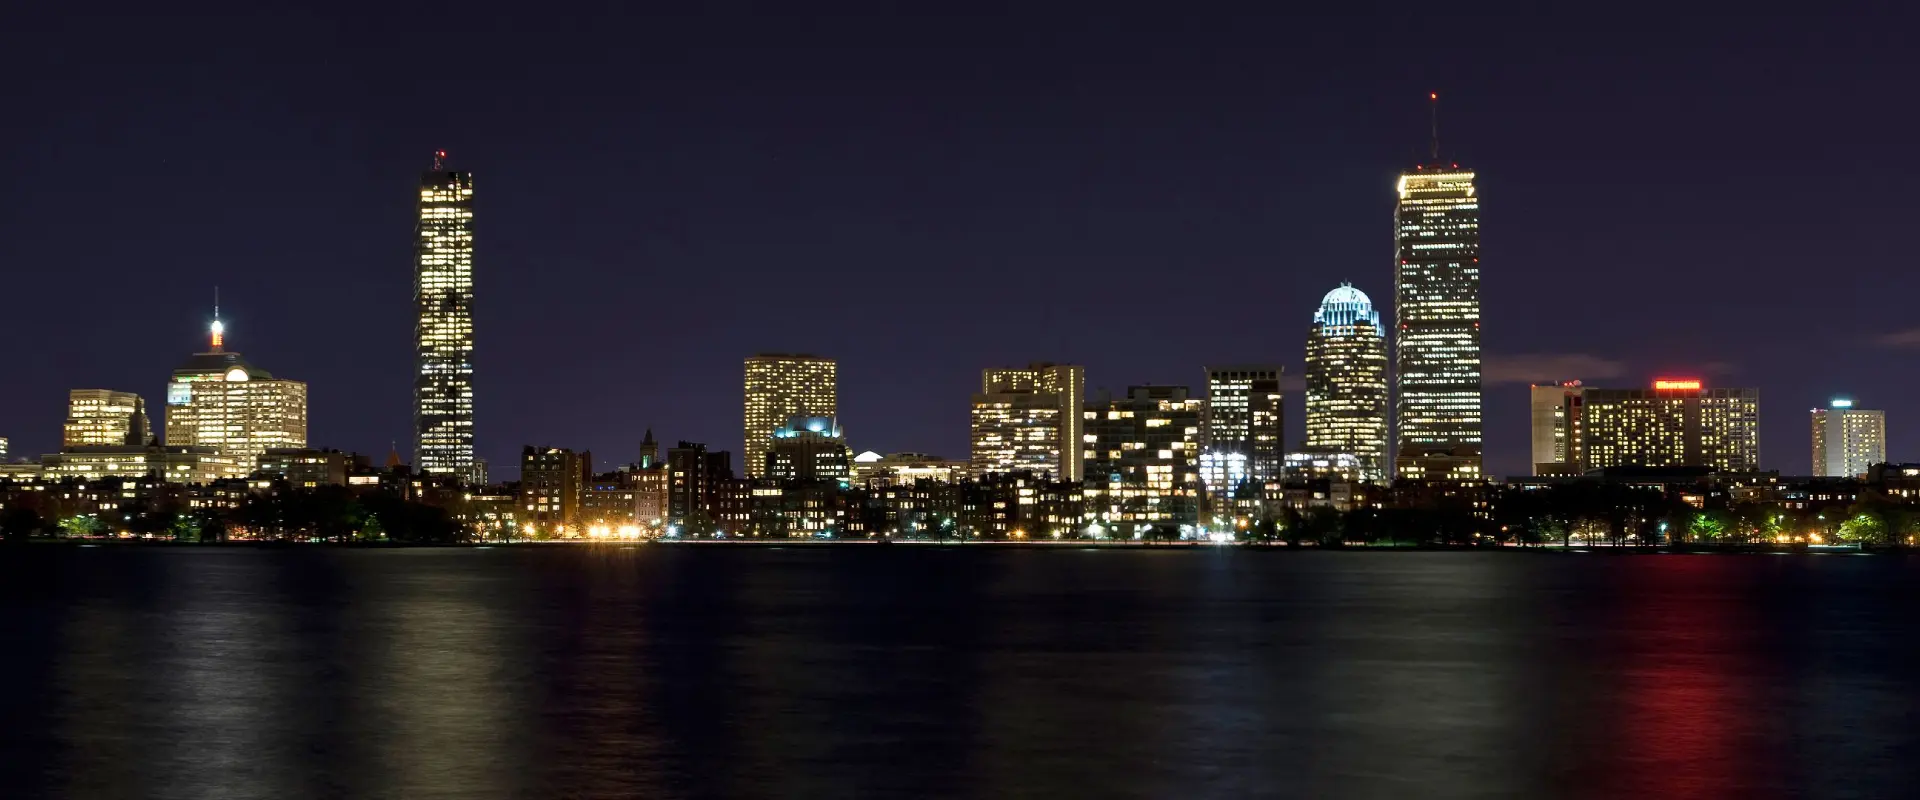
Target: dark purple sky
(1141,190)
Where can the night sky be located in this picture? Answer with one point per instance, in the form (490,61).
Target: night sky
(1140,189)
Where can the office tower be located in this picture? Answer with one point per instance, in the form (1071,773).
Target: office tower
(1558,435)
(553,482)
(1436,300)
(102,417)
(1030,419)
(1677,423)
(1347,381)
(1243,417)
(218,400)
(809,448)
(1847,441)
(781,386)
(443,324)
(1142,455)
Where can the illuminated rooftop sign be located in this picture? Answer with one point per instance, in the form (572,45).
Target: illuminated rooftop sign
(1691,384)
(1841,402)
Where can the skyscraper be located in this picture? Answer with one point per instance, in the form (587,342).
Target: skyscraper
(218,400)
(1437,304)
(781,386)
(1030,419)
(443,325)
(1243,417)
(1847,440)
(103,417)
(1347,381)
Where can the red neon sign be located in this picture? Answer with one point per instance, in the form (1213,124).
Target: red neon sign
(1677,383)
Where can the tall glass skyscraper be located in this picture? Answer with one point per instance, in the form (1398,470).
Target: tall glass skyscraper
(443,329)
(1347,381)
(1437,304)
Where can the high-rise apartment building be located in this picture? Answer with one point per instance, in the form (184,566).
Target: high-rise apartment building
(1558,434)
(218,400)
(779,387)
(1143,455)
(553,483)
(1030,420)
(697,481)
(103,417)
(443,324)
(1437,305)
(1677,423)
(1347,381)
(1243,417)
(1847,441)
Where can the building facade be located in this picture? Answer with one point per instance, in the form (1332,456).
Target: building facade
(1847,441)
(697,484)
(103,417)
(1558,432)
(553,487)
(443,324)
(1347,381)
(218,400)
(1244,416)
(1143,456)
(1437,305)
(809,448)
(1677,423)
(1030,420)
(198,465)
(780,386)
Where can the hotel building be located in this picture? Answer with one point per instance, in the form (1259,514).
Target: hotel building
(1847,441)
(1677,423)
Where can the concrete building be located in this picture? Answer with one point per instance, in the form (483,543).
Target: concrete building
(779,387)
(104,418)
(197,465)
(1143,456)
(1677,423)
(218,400)
(1347,381)
(1847,441)
(553,484)
(443,325)
(1558,433)
(1437,304)
(307,469)
(1029,420)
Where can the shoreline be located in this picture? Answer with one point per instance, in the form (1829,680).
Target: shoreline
(1278,547)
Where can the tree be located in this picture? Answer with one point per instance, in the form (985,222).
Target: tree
(17,523)
(82,525)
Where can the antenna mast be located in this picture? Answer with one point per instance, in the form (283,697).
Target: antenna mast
(438,155)
(218,330)
(1434,99)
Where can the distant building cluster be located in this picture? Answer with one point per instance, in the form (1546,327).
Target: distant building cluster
(1393,414)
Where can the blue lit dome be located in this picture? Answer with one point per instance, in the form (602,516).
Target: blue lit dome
(1347,306)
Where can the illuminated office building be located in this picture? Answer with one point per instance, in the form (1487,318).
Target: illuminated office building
(1243,417)
(1677,423)
(1437,305)
(103,417)
(171,464)
(1558,434)
(1030,420)
(1847,441)
(1143,455)
(443,325)
(218,400)
(1347,381)
(809,448)
(779,387)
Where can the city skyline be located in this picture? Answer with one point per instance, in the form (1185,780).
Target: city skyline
(1216,185)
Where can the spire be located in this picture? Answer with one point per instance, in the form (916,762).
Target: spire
(1434,99)
(438,157)
(217,329)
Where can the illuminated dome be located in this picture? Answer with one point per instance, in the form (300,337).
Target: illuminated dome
(1347,306)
